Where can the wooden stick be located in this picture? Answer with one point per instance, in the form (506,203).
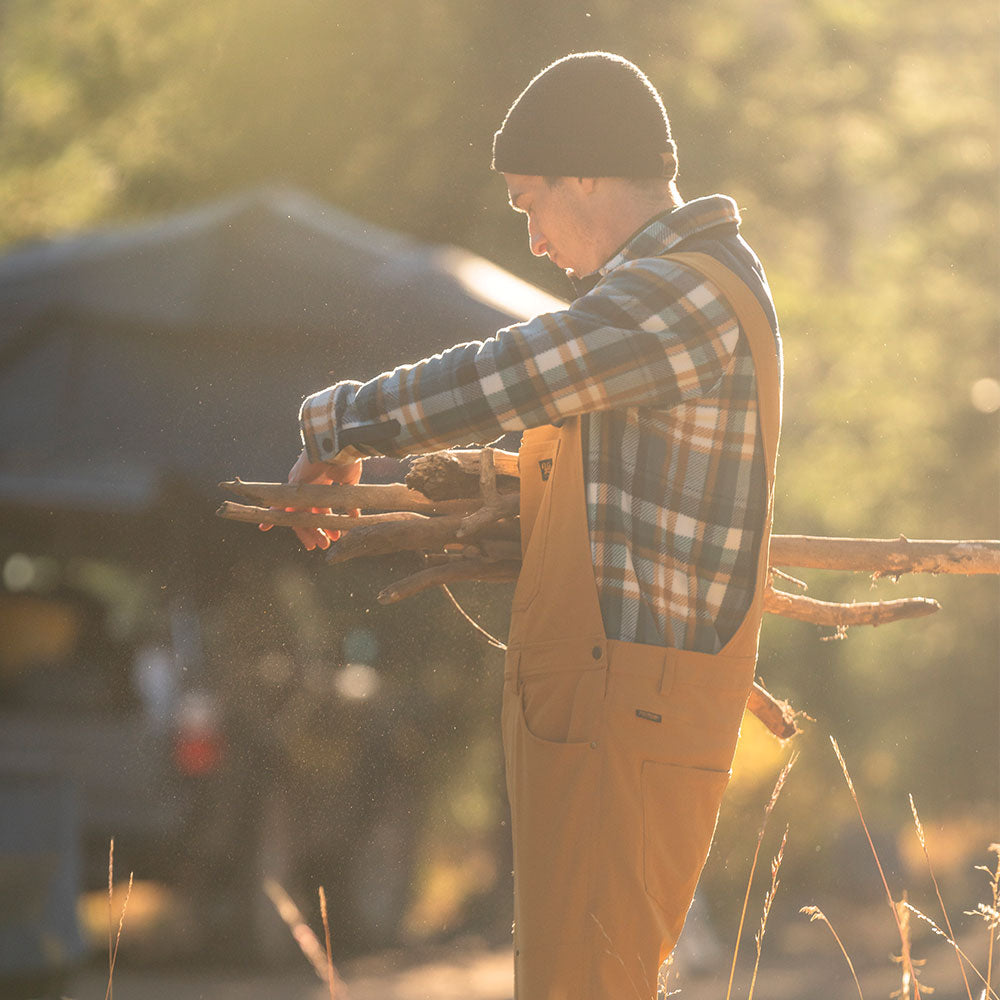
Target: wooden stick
(306,519)
(468,460)
(806,609)
(457,570)
(431,534)
(368,496)
(778,716)
(886,557)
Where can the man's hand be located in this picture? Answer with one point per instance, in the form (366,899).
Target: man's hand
(319,473)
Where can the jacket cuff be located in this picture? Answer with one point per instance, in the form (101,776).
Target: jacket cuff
(318,426)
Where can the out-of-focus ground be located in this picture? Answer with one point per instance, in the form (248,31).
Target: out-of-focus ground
(799,959)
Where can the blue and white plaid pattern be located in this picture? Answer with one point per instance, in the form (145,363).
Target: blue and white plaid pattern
(653,362)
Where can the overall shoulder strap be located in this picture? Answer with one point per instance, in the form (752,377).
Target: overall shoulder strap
(754,323)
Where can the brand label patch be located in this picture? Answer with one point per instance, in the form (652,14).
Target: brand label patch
(650,716)
(545,467)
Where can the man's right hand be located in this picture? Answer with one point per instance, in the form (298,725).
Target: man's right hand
(306,472)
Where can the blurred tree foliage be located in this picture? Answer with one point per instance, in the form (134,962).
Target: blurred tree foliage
(859,139)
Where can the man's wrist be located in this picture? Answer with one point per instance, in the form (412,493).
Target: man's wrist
(318,426)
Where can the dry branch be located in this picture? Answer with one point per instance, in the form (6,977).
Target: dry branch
(391,497)
(305,519)
(806,609)
(453,571)
(447,475)
(777,715)
(430,534)
(886,557)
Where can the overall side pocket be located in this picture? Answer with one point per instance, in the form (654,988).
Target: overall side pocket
(680,806)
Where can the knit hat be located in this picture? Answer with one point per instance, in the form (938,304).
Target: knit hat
(589,114)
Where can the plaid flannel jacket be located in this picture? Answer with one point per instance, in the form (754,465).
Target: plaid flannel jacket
(652,361)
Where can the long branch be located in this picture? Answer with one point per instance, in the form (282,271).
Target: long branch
(886,557)
(776,602)
(883,557)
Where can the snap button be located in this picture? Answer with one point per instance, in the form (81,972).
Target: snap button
(327,444)
(596,652)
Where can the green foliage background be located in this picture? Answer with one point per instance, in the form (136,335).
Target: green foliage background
(860,140)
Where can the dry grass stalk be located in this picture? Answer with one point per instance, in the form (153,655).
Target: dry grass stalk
(909,975)
(930,869)
(768,809)
(114,939)
(329,951)
(907,963)
(768,901)
(491,639)
(616,955)
(815,913)
(304,937)
(988,991)
(991,913)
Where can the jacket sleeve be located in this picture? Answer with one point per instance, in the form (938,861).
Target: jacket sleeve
(650,334)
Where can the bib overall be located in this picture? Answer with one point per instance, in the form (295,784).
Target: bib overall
(617,754)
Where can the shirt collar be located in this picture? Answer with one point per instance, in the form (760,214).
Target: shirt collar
(666,230)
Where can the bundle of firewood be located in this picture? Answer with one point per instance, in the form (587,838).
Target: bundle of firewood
(459,509)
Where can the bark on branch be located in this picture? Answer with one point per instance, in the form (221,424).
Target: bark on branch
(886,557)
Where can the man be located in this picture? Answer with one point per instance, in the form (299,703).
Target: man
(650,409)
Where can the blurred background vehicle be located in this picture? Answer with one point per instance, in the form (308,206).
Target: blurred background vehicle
(225,708)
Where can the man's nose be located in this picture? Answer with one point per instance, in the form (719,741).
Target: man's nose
(539,245)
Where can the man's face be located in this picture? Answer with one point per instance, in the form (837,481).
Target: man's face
(560,223)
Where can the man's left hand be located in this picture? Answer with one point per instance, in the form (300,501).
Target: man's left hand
(319,473)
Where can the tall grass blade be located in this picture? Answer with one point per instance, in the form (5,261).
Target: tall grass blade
(815,913)
(304,937)
(114,939)
(111,913)
(329,951)
(768,900)
(989,991)
(768,809)
(908,973)
(944,912)
(990,913)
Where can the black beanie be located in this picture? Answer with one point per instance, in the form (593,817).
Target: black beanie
(590,114)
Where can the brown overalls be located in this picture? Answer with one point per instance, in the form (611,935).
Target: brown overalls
(617,753)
